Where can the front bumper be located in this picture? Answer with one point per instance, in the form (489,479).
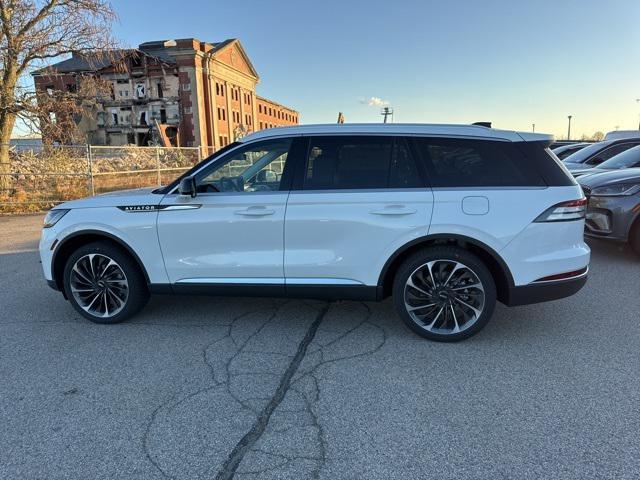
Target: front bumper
(611,217)
(537,292)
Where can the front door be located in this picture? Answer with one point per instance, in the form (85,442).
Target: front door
(231,232)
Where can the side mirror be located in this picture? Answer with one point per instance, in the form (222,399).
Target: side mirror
(187,187)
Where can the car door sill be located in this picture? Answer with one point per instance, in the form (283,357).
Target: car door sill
(311,291)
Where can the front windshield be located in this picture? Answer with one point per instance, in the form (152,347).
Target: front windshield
(628,158)
(587,152)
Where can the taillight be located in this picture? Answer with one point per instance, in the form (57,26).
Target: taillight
(571,210)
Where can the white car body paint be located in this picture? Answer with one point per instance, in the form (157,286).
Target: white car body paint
(329,237)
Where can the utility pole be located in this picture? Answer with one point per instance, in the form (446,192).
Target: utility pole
(386,112)
(533,127)
(569,128)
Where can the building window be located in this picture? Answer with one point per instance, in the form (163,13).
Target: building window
(217,88)
(160,92)
(186,87)
(188,110)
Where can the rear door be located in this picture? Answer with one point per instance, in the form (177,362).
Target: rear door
(355,201)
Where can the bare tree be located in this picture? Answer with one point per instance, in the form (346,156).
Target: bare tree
(34,33)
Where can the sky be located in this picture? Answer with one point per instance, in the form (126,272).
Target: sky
(514,63)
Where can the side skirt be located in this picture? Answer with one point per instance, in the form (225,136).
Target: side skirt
(318,292)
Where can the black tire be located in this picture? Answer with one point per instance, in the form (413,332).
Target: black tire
(444,298)
(634,236)
(137,292)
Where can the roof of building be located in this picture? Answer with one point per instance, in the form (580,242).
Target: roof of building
(81,62)
(263,99)
(475,131)
(90,62)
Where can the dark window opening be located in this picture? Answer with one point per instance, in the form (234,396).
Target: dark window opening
(475,163)
(348,163)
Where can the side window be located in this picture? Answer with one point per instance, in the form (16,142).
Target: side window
(258,167)
(348,163)
(475,163)
(359,162)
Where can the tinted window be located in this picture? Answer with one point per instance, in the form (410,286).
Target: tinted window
(475,163)
(359,162)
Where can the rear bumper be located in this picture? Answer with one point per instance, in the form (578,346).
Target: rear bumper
(545,291)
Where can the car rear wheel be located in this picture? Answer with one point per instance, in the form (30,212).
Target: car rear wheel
(104,284)
(444,293)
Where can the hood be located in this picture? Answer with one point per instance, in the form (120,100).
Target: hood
(138,196)
(611,177)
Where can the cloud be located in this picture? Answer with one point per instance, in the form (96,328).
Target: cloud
(374,101)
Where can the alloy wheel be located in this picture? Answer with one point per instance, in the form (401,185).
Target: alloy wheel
(99,285)
(444,297)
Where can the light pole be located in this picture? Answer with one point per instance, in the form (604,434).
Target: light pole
(386,112)
(569,128)
(638,102)
(533,127)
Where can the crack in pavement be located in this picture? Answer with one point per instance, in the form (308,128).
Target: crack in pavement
(295,432)
(246,443)
(170,404)
(258,413)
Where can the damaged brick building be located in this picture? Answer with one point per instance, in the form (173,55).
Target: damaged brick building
(184,92)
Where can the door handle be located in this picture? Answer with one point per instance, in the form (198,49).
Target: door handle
(394,210)
(255,212)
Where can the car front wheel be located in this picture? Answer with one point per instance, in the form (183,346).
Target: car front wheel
(104,284)
(444,293)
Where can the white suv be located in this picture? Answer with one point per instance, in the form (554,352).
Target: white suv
(446,218)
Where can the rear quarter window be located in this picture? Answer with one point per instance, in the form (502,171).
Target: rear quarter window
(475,163)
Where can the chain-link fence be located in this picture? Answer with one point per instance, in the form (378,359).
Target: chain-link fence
(40,177)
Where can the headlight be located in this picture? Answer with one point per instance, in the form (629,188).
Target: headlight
(617,190)
(53,216)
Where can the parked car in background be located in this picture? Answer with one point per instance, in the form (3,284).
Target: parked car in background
(619,134)
(447,219)
(613,211)
(563,151)
(599,152)
(627,159)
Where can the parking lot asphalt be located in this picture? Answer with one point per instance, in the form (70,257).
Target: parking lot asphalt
(218,388)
